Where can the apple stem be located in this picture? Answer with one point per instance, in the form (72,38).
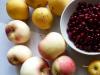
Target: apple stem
(85,66)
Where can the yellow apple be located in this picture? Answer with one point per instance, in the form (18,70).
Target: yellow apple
(94,68)
(17,9)
(57,6)
(42,18)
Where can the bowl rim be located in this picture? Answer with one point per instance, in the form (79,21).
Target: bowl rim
(64,36)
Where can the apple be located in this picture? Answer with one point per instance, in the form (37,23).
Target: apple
(57,6)
(17,31)
(18,54)
(94,68)
(34,66)
(36,3)
(17,9)
(63,65)
(52,46)
(42,18)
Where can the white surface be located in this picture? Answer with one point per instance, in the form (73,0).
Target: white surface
(5,45)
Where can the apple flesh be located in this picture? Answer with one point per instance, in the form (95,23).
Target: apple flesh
(63,65)
(18,54)
(52,46)
(17,31)
(34,66)
(94,68)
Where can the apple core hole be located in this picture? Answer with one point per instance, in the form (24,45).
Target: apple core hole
(10,29)
(95,68)
(14,60)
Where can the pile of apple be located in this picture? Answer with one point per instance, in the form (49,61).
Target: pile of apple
(52,47)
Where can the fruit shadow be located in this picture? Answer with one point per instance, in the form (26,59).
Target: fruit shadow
(18,69)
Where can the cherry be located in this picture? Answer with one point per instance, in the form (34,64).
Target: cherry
(84,27)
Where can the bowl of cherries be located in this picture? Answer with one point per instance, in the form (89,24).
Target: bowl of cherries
(80,26)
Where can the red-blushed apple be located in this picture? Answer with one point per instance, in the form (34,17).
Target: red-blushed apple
(63,65)
(18,54)
(35,66)
(94,68)
(52,46)
(17,31)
